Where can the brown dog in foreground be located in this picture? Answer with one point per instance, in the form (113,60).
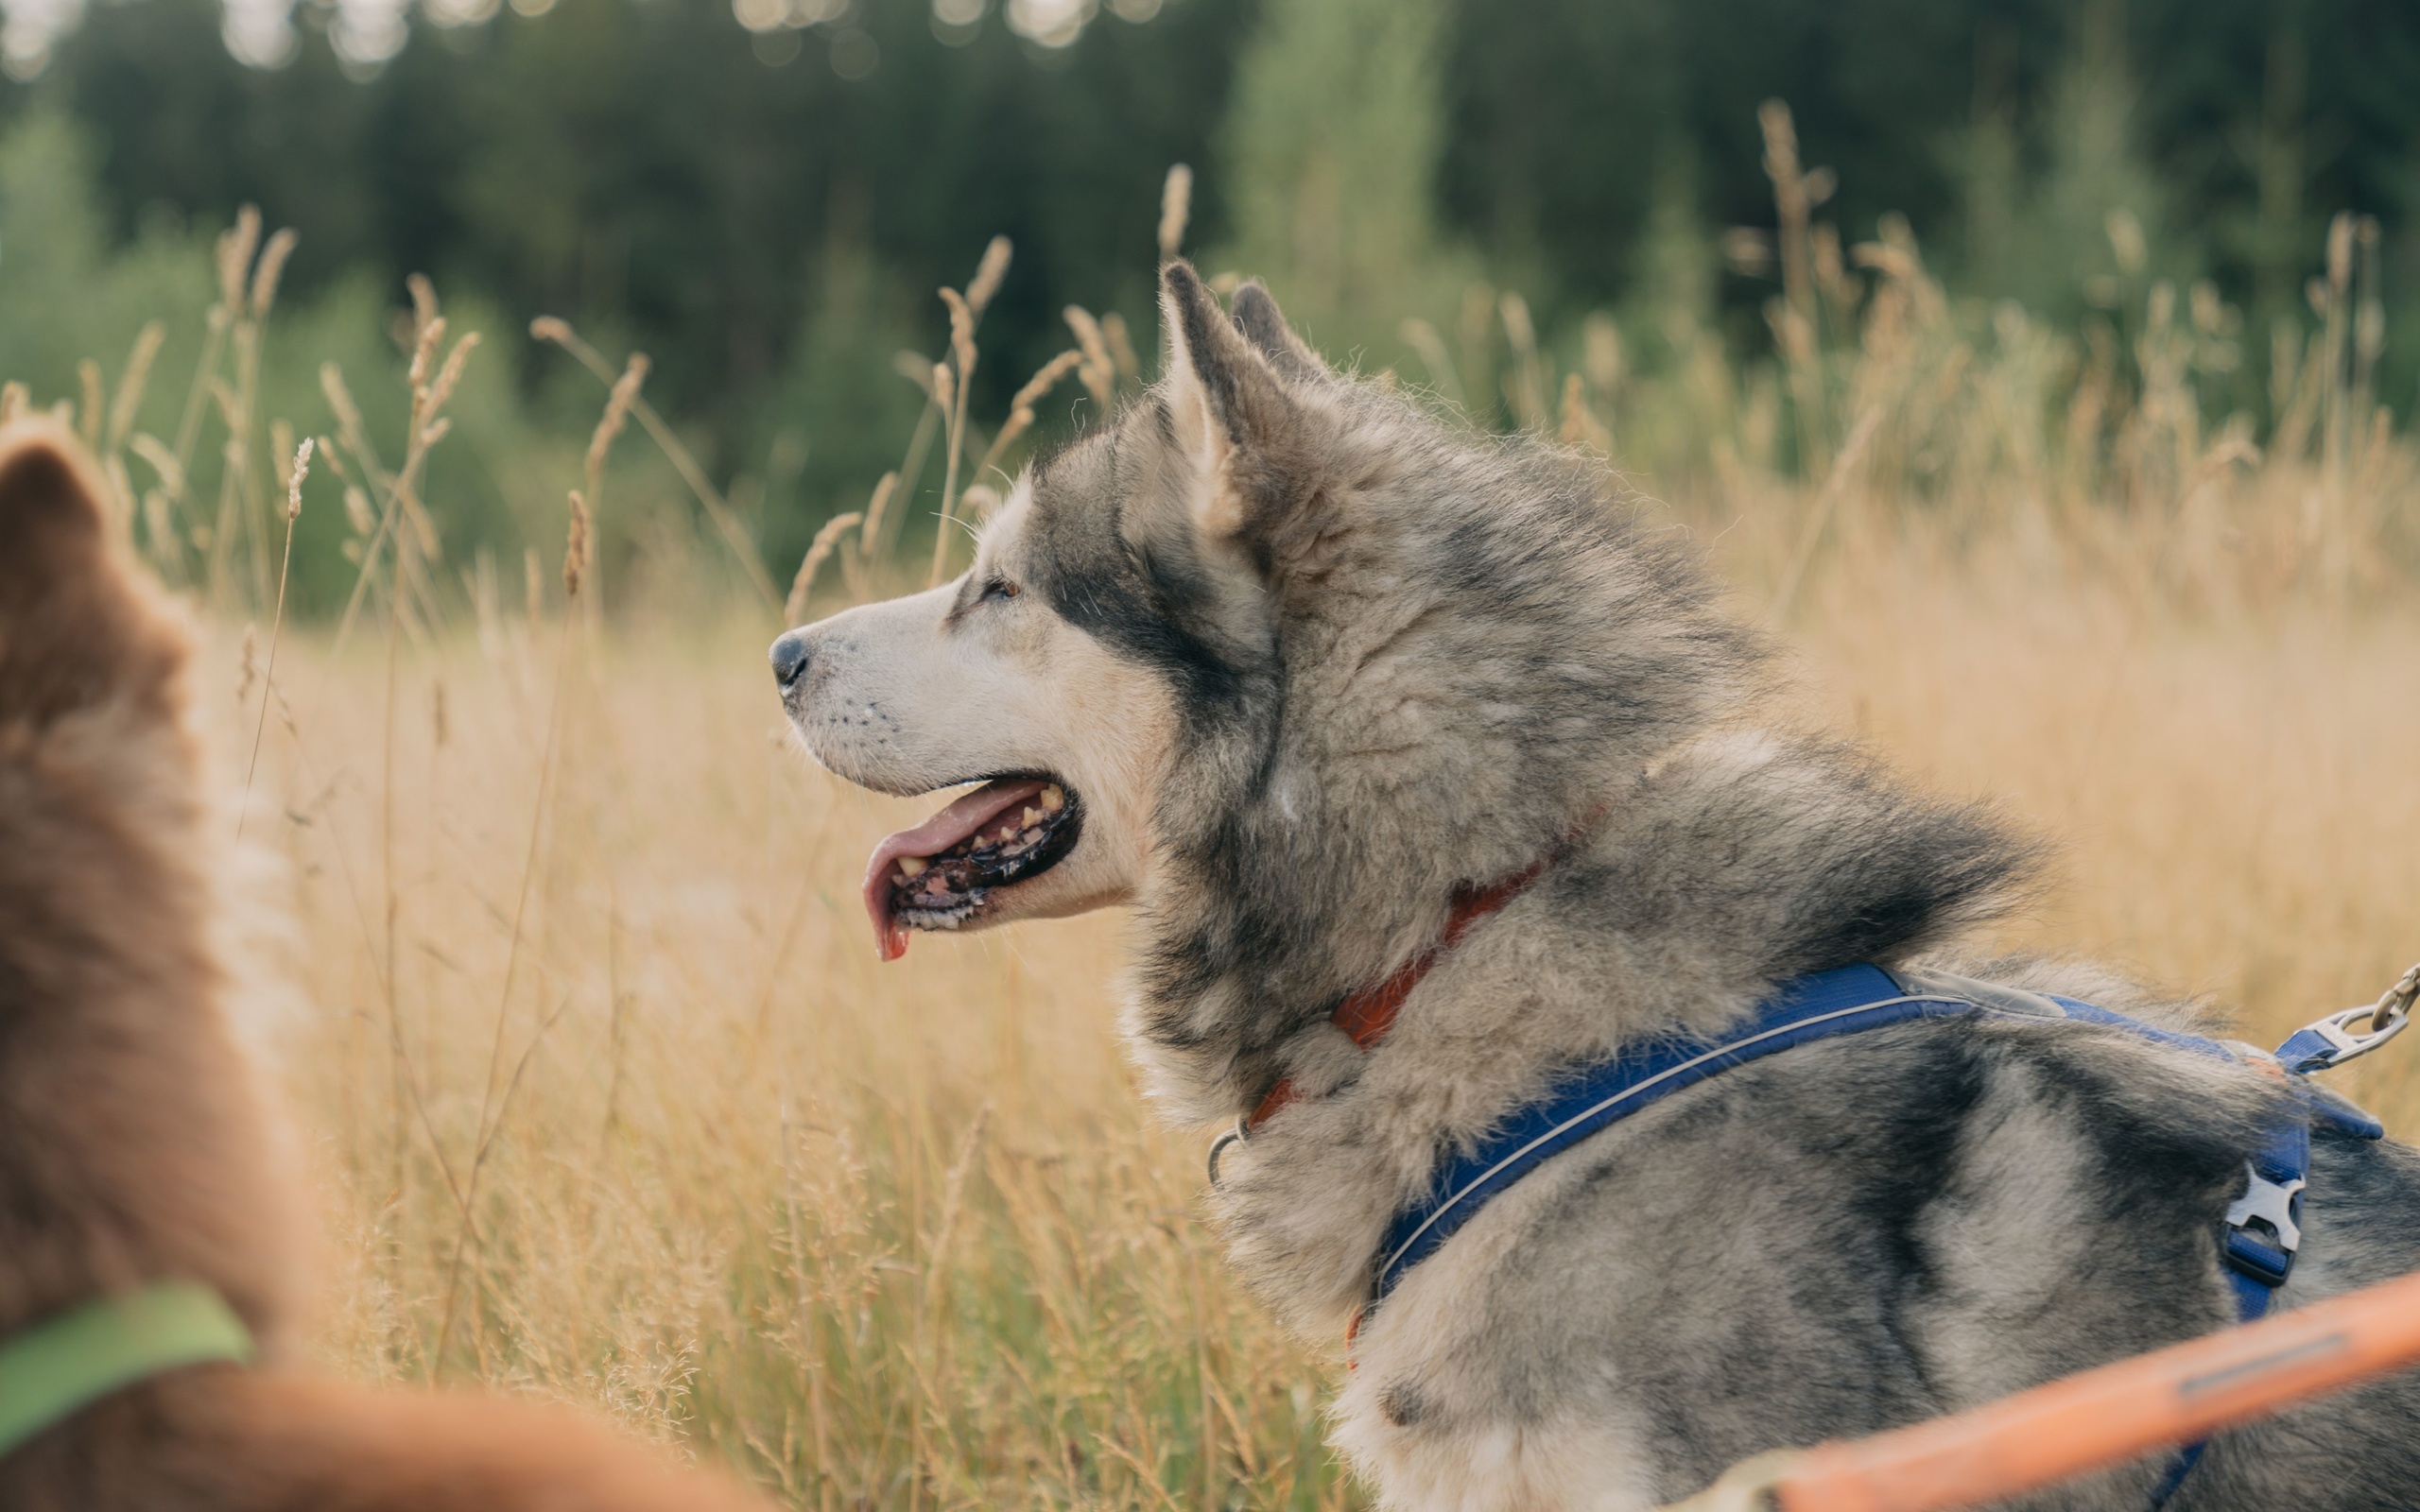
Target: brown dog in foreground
(135,1148)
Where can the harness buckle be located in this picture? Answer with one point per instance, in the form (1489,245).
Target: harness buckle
(2275,1205)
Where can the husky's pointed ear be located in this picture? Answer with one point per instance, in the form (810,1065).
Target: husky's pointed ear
(1224,401)
(1263,325)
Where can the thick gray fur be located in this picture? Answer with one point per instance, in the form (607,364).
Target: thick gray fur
(1451,657)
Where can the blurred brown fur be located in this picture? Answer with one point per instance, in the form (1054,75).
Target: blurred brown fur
(134,1146)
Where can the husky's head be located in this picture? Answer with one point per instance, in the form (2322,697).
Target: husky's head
(1274,653)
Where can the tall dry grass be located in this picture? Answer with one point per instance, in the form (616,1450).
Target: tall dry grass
(906,1236)
(895,1237)
(607,1100)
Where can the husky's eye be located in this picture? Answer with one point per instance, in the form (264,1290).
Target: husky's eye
(1000,588)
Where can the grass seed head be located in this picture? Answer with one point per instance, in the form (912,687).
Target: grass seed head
(301,470)
(271,268)
(135,379)
(961,330)
(1176,208)
(451,374)
(826,540)
(1100,372)
(1781,141)
(327,454)
(424,354)
(234,250)
(162,460)
(914,367)
(88,414)
(575,546)
(2126,241)
(1602,351)
(1021,414)
(1045,378)
(1121,346)
(988,274)
(1580,427)
(617,416)
(1518,330)
(878,507)
(424,295)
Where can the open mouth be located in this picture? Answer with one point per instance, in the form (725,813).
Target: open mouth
(944,871)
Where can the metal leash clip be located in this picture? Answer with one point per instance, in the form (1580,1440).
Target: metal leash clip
(2354,1033)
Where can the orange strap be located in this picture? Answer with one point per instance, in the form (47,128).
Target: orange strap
(1367,1015)
(2092,1421)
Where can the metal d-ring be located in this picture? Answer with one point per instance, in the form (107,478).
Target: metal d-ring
(1218,1148)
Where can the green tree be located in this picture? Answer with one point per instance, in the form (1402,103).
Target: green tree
(1332,142)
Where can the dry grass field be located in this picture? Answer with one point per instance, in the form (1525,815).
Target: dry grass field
(609,1100)
(605,1097)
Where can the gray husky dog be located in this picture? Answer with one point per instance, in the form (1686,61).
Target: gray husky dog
(1282,660)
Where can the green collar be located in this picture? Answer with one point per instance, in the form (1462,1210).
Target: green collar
(57,1367)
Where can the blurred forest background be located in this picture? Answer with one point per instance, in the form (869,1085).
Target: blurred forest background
(763,195)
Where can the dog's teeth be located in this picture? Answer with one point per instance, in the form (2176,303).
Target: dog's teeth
(1052,799)
(912,865)
(1031,835)
(1030,818)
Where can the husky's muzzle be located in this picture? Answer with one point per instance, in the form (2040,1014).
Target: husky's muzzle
(943,873)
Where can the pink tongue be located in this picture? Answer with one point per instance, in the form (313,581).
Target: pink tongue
(943,830)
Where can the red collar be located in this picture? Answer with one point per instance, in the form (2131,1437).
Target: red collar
(1367,1015)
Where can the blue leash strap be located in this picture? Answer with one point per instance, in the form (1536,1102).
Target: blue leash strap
(1843,1001)
(2263,1228)
(2261,1231)
(1846,1000)
(2259,1258)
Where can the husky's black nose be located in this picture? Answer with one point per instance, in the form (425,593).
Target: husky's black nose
(789,657)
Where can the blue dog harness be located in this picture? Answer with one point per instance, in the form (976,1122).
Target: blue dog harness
(2260,1232)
